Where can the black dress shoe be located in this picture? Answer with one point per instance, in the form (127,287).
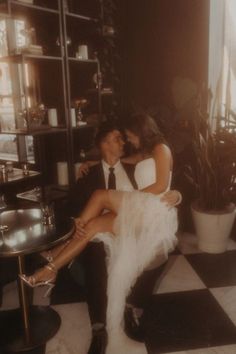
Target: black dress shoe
(99,342)
(133,327)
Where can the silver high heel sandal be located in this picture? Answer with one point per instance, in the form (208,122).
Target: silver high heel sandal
(47,255)
(49,283)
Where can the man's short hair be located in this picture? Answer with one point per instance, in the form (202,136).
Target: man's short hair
(104,129)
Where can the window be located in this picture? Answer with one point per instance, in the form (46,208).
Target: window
(12,98)
(222,61)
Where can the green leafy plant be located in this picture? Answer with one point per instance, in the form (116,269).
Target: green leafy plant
(212,170)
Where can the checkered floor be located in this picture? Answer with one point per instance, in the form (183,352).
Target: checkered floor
(192,311)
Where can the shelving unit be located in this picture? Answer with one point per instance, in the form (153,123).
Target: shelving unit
(58,79)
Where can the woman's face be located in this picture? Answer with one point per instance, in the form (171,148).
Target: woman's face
(132,138)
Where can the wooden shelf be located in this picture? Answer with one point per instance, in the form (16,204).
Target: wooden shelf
(20,57)
(34,7)
(83,127)
(84,61)
(34,132)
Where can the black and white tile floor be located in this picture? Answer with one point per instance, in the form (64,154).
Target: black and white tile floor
(192,311)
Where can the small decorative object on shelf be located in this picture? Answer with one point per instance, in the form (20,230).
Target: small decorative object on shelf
(62,173)
(21,122)
(9,167)
(68,41)
(97,79)
(30,36)
(108,31)
(52,117)
(34,195)
(37,116)
(25,168)
(30,46)
(73,117)
(3,173)
(82,155)
(107,90)
(80,103)
(82,53)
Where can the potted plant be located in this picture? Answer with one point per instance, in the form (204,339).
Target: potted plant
(212,172)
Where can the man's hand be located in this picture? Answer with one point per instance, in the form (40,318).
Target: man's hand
(83,169)
(172,198)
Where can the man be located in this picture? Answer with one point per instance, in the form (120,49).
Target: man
(109,173)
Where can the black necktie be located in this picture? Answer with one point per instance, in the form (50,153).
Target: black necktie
(111,179)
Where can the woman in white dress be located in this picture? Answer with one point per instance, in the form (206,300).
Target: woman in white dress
(137,227)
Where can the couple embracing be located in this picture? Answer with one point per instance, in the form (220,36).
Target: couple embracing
(136,226)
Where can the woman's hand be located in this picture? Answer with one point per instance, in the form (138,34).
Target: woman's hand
(80,225)
(172,198)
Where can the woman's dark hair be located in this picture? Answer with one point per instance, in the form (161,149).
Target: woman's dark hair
(146,129)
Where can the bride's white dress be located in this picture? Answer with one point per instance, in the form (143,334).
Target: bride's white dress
(144,227)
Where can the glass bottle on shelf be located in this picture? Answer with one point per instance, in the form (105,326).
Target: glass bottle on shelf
(82,155)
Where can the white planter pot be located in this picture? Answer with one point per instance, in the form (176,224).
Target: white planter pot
(213,228)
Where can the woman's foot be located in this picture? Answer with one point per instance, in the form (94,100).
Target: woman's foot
(45,276)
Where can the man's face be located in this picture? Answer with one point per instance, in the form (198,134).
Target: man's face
(113,144)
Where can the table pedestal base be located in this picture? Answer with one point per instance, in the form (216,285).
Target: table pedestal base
(44,323)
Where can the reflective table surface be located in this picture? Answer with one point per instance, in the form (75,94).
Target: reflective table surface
(29,326)
(26,233)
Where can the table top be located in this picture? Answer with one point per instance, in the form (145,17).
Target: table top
(27,234)
(17,175)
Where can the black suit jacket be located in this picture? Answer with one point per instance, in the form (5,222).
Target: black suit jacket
(85,186)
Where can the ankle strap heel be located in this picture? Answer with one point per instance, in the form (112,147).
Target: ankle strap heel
(51,266)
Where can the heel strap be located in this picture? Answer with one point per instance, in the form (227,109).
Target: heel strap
(51,266)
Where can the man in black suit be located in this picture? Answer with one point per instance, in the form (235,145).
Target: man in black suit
(109,173)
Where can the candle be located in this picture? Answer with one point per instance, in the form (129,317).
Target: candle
(82,52)
(73,117)
(52,117)
(62,173)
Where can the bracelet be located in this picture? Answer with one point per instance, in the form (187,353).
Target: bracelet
(180,199)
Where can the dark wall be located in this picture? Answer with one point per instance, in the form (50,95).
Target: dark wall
(165,38)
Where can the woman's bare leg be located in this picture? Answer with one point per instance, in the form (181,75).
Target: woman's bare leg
(100,200)
(75,246)
(50,254)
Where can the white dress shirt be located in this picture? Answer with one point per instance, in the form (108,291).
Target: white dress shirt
(122,180)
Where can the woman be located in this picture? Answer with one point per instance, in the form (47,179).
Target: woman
(137,226)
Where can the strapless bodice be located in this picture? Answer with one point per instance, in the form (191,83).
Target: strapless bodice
(145,173)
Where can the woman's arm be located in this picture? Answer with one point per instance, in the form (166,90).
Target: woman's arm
(133,159)
(163,159)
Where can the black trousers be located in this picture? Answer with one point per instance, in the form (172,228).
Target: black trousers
(92,260)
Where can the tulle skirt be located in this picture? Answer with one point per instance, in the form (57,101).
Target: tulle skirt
(144,228)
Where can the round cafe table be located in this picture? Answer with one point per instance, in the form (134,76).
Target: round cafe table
(29,326)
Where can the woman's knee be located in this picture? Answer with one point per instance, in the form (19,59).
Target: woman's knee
(100,195)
